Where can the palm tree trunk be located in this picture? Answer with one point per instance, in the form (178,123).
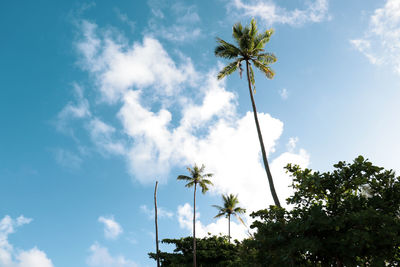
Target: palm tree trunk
(155,217)
(229,227)
(264,155)
(194,226)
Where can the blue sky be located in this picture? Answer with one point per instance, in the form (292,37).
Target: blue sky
(98,100)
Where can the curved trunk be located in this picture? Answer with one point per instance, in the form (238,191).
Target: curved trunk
(264,155)
(194,226)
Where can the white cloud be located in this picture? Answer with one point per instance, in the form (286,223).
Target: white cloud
(381,41)
(184,27)
(161,212)
(197,125)
(10,257)
(284,93)
(124,18)
(291,145)
(100,257)
(78,110)
(269,12)
(67,158)
(118,66)
(112,229)
(33,258)
(102,135)
(364,46)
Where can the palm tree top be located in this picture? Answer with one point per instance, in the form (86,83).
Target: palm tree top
(230,207)
(197,177)
(250,48)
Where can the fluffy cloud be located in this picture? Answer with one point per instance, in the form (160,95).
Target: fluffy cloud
(381,41)
(10,257)
(112,229)
(271,13)
(118,66)
(100,257)
(162,126)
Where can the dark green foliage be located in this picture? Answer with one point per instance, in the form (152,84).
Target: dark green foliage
(348,217)
(211,251)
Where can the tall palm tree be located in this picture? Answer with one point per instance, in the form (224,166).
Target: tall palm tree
(250,50)
(197,177)
(230,208)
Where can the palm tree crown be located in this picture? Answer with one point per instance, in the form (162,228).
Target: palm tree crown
(197,177)
(250,49)
(230,208)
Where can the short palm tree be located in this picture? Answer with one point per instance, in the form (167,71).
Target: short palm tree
(230,208)
(250,50)
(197,177)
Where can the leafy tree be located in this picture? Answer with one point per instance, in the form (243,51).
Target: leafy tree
(250,50)
(230,208)
(348,217)
(197,177)
(211,251)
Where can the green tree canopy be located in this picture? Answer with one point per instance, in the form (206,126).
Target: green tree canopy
(348,217)
(211,251)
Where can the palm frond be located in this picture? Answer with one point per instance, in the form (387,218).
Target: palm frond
(262,39)
(190,170)
(264,69)
(252,75)
(229,69)
(217,207)
(204,188)
(184,178)
(226,50)
(219,215)
(206,182)
(252,80)
(240,219)
(202,168)
(237,31)
(239,210)
(266,58)
(190,184)
(253,28)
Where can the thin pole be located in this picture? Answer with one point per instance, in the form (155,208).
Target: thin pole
(194,226)
(155,217)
